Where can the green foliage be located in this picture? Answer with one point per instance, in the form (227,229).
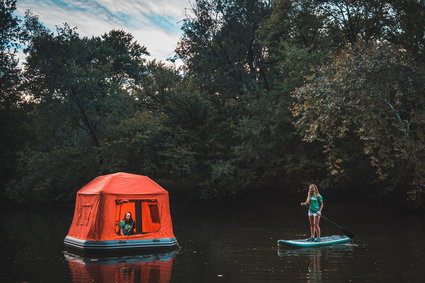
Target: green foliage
(143,143)
(220,45)
(12,117)
(295,22)
(53,175)
(270,151)
(376,95)
(351,21)
(409,30)
(76,108)
(273,95)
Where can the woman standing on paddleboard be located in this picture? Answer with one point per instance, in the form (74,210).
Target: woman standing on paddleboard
(315,206)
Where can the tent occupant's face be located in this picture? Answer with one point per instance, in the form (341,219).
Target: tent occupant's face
(128,216)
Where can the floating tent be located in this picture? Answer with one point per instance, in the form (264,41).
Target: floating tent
(102,204)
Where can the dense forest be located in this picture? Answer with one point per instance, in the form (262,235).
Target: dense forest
(272,95)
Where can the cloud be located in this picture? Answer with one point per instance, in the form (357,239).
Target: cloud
(154,23)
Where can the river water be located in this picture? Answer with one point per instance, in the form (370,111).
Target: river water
(226,242)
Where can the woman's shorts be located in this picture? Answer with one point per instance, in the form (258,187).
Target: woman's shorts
(312,213)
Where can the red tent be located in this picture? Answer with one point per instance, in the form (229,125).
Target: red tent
(102,204)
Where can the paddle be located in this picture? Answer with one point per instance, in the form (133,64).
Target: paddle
(345,231)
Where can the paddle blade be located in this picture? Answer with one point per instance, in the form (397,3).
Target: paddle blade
(348,233)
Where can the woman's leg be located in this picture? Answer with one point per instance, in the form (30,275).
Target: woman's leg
(312,228)
(317,226)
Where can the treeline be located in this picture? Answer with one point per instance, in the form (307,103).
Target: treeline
(272,95)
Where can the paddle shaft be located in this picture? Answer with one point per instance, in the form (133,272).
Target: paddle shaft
(346,232)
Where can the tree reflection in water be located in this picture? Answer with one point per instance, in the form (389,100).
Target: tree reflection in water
(130,268)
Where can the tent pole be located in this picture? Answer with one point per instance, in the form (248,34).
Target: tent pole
(138,216)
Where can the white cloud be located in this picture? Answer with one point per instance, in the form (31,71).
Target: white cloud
(159,44)
(154,23)
(158,7)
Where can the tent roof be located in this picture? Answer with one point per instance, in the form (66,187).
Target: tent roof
(122,183)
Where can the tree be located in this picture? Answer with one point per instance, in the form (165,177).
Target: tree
(295,22)
(155,139)
(224,60)
(269,152)
(80,89)
(12,129)
(351,21)
(220,45)
(372,96)
(409,30)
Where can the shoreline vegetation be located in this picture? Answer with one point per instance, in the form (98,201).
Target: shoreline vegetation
(272,96)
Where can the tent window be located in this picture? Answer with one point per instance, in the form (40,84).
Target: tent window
(145,214)
(84,216)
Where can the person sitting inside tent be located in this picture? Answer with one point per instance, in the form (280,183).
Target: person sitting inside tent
(127,225)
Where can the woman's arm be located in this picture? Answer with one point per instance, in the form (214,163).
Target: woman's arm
(307,201)
(321,207)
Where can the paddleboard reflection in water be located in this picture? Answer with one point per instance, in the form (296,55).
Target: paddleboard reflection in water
(310,258)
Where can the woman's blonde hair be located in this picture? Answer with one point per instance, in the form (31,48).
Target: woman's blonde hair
(315,192)
(316,189)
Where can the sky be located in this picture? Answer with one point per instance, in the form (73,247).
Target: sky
(153,23)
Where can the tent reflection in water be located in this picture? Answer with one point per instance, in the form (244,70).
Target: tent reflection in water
(103,203)
(137,268)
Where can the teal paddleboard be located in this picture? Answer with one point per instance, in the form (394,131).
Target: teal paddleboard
(330,240)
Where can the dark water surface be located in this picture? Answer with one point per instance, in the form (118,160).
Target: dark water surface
(226,242)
